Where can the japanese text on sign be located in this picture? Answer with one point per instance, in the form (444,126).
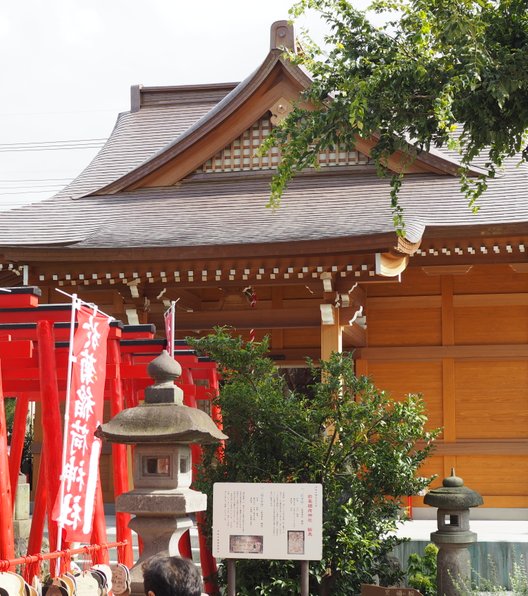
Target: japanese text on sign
(267,521)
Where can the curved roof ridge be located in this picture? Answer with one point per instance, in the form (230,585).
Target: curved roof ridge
(200,128)
(136,136)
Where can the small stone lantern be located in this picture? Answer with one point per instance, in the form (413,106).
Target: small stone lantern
(161,429)
(453,536)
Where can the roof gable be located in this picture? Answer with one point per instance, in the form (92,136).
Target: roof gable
(275,83)
(241,155)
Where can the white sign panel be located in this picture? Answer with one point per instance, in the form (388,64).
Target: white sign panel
(267,521)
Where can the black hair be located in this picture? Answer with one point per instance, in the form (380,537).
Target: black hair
(171,576)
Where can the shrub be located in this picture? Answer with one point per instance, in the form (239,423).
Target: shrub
(421,570)
(348,435)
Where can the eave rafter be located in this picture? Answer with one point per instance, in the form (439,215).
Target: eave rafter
(470,251)
(295,271)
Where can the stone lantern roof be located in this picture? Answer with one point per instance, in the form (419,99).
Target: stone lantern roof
(453,495)
(162,418)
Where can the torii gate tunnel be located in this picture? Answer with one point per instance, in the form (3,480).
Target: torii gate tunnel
(34,346)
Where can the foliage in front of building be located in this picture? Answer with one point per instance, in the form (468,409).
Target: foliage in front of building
(347,435)
(421,571)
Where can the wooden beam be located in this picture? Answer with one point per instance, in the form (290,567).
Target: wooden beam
(355,334)
(473,352)
(404,302)
(466,300)
(186,299)
(299,355)
(481,447)
(447,269)
(331,337)
(250,319)
(182,254)
(277,303)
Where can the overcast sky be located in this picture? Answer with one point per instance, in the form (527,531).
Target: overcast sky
(67,67)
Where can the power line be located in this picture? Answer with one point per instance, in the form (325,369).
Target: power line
(68,141)
(17,180)
(57,148)
(61,145)
(31,192)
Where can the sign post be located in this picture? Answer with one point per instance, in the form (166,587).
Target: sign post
(267,521)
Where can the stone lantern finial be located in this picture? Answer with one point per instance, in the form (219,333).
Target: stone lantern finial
(163,370)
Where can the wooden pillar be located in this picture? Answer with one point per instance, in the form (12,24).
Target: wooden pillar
(331,333)
(52,433)
(277,335)
(119,456)
(17,443)
(448,370)
(7,541)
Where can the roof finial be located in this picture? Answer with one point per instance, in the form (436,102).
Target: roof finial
(282,36)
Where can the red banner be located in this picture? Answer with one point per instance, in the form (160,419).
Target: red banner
(75,504)
(169,328)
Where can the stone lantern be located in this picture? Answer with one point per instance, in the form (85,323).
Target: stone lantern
(453,536)
(162,429)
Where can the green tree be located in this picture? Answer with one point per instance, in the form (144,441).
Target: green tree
(433,65)
(348,435)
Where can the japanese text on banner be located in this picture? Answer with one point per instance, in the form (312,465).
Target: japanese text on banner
(81,461)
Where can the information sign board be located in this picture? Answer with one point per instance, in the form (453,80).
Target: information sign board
(267,521)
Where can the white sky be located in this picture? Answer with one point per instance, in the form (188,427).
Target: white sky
(67,67)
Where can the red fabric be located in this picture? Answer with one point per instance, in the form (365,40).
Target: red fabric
(169,329)
(79,475)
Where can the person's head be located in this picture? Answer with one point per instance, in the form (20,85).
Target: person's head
(171,576)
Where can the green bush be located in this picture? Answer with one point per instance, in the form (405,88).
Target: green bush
(421,570)
(348,435)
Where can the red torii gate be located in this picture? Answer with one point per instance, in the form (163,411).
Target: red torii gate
(34,342)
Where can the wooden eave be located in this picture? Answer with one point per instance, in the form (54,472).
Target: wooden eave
(359,245)
(425,162)
(276,78)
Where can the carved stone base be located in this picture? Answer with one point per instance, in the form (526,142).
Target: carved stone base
(160,535)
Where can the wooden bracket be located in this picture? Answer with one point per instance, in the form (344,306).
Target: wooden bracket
(390,265)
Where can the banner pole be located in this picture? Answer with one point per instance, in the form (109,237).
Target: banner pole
(75,306)
(173,322)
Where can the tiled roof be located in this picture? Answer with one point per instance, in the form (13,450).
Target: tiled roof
(224,210)
(137,136)
(228,209)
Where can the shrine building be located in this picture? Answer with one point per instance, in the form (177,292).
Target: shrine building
(174,208)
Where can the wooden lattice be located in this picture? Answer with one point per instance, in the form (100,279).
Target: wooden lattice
(242,154)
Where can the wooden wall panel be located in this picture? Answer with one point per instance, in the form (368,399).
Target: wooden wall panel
(491,325)
(491,399)
(414,283)
(475,398)
(402,378)
(494,475)
(301,338)
(433,466)
(419,326)
(483,279)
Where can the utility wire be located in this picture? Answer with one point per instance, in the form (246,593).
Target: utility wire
(31,192)
(60,142)
(61,145)
(58,148)
(17,180)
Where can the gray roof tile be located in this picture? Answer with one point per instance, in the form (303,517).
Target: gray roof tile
(232,211)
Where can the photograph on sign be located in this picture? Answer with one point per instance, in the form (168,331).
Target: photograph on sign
(267,521)
(246,544)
